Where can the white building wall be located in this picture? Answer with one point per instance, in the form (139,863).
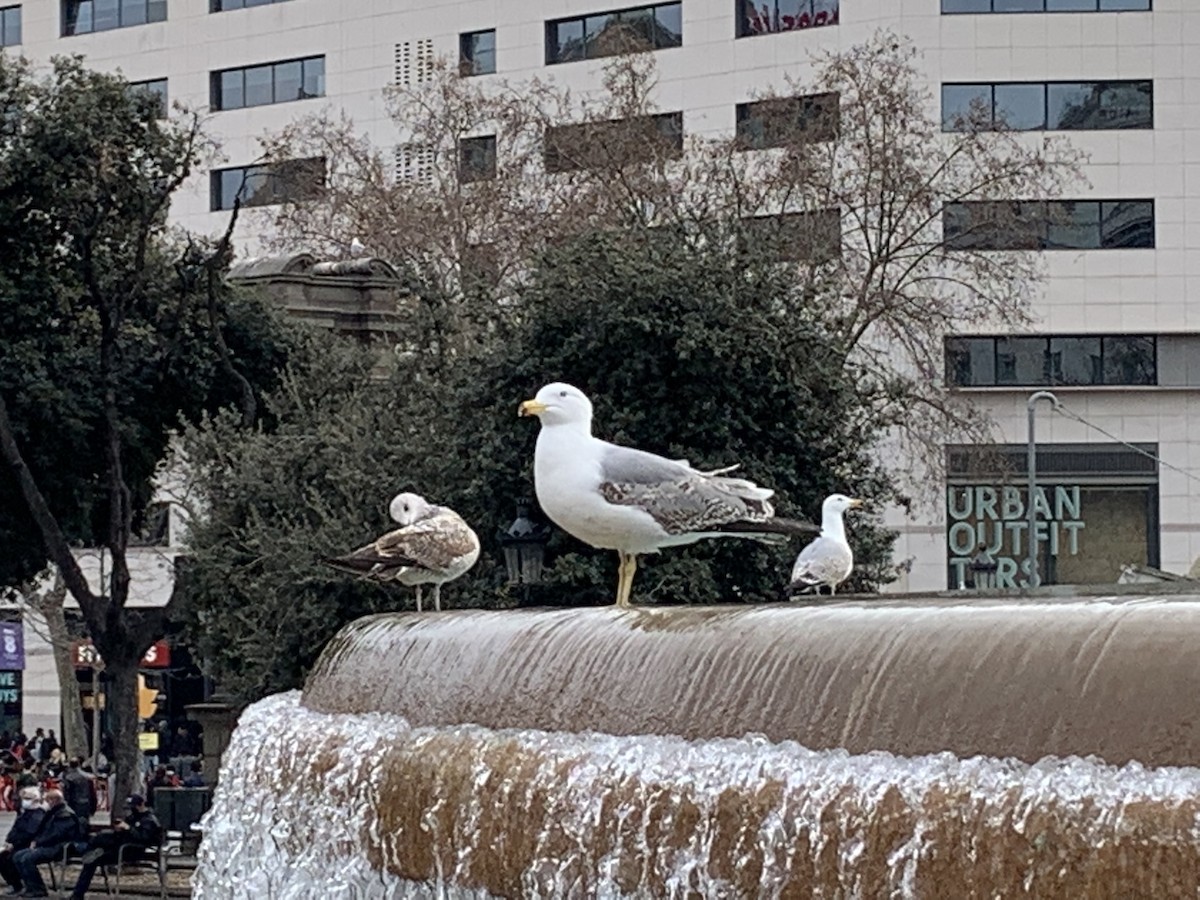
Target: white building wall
(1109,291)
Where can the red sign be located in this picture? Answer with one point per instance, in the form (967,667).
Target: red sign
(85,655)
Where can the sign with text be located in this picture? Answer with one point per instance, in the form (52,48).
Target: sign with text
(12,645)
(85,655)
(996,519)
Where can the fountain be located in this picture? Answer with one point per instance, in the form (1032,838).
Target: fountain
(856,749)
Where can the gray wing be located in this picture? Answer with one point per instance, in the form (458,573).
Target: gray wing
(432,544)
(680,499)
(824,561)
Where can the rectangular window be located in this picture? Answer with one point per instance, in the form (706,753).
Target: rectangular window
(784,121)
(1048,106)
(1054,361)
(614,33)
(279,82)
(477,158)
(1018,6)
(86,16)
(10,26)
(291,181)
(613,144)
(1049,225)
(477,52)
(223,5)
(157,89)
(809,237)
(756,17)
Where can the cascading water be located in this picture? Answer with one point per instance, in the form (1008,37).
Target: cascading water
(529,755)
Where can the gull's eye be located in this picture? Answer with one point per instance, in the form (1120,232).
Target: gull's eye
(562,393)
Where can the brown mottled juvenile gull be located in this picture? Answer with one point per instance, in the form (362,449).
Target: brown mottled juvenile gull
(634,502)
(433,545)
(828,560)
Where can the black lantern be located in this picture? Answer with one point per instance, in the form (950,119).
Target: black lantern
(524,543)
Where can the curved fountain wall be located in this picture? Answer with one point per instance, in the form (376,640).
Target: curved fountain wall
(1115,680)
(839,751)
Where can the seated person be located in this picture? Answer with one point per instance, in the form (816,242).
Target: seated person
(196,778)
(58,828)
(20,835)
(139,832)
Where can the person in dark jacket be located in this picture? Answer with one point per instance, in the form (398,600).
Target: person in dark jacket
(58,828)
(139,832)
(79,790)
(20,836)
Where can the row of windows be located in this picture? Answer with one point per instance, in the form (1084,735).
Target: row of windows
(86,16)
(1019,6)
(614,32)
(1051,361)
(294,180)
(10,26)
(1049,225)
(1049,106)
(293,79)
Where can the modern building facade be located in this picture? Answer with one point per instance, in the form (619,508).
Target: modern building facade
(1117,330)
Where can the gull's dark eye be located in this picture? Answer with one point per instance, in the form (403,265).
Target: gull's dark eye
(562,393)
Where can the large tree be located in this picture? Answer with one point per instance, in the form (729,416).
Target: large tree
(113,332)
(692,345)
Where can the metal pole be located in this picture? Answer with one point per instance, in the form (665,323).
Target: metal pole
(1035,577)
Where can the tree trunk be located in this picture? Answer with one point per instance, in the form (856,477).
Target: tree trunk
(74,730)
(122,705)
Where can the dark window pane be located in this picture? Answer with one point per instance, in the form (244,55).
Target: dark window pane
(1075,360)
(231,183)
(965,106)
(106,14)
(1127,224)
(1130,360)
(1021,361)
(156,11)
(668,25)
(966,6)
(1118,5)
(260,88)
(289,81)
(133,12)
(1073,225)
(155,89)
(785,121)
(1019,5)
(1071,5)
(10,26)
(477,53)
(296,179)
(994,226)
(605,35)
(477,158)
(1021,107)
(258,188)
(971,362)
(1101,105)
(567,41)
(314,77)
(232,90)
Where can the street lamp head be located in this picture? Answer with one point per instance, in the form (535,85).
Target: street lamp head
(524,544)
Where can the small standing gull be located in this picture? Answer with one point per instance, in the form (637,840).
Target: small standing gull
(634,502)
(828,560)
(433,545)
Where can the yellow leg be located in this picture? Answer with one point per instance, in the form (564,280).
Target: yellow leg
(625,578)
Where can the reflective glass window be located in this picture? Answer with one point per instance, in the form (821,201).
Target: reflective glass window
(1021,107)
(1075,360)
(966,105)
(1127,224)
(10,26)
(1130,359)
(1021,361)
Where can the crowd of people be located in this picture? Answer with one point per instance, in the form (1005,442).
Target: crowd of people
(55,798)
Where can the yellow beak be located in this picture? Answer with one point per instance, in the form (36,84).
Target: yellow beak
(855,503)
(531,408)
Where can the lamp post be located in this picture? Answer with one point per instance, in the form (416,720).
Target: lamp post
(524,544)
(1035,577)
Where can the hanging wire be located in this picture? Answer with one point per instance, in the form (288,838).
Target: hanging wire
(1071,414)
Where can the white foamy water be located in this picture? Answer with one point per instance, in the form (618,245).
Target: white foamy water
(316,805)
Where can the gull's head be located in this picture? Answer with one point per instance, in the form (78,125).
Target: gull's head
(839,503)
(559,404)
(406,509)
